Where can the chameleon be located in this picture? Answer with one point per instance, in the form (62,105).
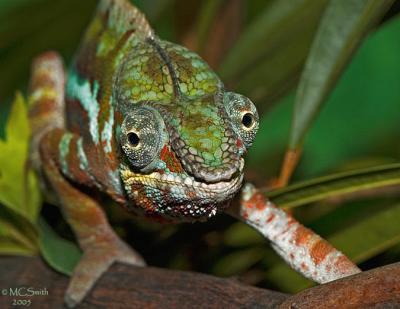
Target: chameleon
(148,123)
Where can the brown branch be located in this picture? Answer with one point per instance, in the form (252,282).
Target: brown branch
(129,287)
(377,288)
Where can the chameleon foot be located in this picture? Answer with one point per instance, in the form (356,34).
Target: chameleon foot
(96,259)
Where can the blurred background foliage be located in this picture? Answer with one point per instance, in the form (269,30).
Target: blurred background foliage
(259,48)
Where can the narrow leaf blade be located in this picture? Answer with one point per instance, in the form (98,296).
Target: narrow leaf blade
(335,185)
(266,61)
(343,26)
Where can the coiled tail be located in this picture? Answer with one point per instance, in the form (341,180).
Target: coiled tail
(46,100)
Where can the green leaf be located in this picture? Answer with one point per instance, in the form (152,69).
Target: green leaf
(266,61)
(343,26)
(358,122)
(239,234)
(343,183)
(287,279)
(370,236)
(19,190)
(238,261)
(12,233)
(17,128)
(9,247)
(62,255)
(17,232)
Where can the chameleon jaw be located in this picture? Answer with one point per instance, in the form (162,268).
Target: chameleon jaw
(179,196)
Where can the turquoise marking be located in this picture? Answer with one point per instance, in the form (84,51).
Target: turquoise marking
(107,133)
(83,162)
(82,91)
(115,179)
(63,148)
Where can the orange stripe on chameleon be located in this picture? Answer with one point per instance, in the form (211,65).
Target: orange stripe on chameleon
(320,250)
(173,164)
(302,235)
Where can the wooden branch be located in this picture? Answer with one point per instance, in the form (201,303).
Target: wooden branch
(376,288)
(132,287)
(129,287)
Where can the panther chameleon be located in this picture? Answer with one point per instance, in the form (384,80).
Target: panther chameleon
(148,123)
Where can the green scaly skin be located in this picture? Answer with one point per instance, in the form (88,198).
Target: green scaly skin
(163,134)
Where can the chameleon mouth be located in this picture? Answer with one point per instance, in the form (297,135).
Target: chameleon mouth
(181,195)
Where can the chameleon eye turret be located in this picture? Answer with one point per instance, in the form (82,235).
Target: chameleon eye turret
(243,115)
(141,136)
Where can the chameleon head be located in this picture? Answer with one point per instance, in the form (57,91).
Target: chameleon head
(182,159)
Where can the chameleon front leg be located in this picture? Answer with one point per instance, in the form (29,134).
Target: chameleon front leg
(101,246)
(301,248)
(55,154)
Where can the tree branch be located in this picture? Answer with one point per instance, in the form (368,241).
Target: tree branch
(130,287)
(134,287)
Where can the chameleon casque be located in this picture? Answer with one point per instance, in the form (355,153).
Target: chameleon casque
(148,123)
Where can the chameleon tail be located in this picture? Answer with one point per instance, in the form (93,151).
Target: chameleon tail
(46,99)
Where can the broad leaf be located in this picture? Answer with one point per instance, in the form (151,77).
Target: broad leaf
(20,198)
(19,190)
(61,254)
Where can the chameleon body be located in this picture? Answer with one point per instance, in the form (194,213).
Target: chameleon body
(148,123)
(142,120)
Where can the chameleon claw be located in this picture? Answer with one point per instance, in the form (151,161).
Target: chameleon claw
(95,262)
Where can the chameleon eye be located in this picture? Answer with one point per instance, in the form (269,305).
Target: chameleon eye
(244,116)
(142,136)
